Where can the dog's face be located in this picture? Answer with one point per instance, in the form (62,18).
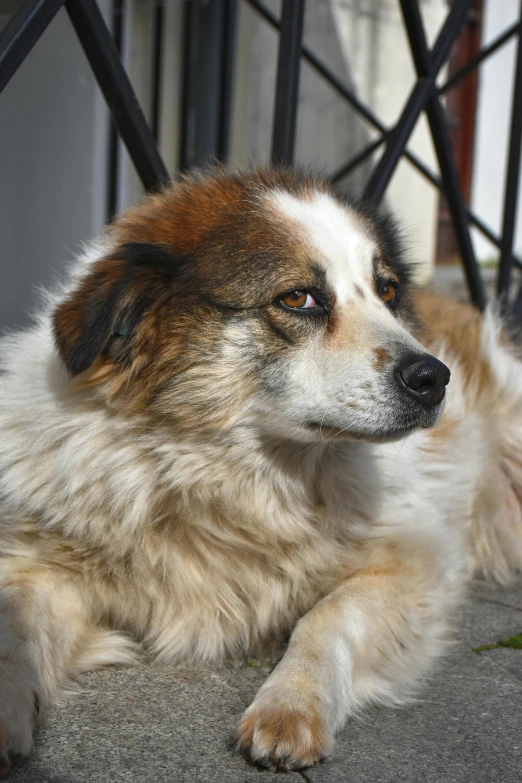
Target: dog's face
(255,300)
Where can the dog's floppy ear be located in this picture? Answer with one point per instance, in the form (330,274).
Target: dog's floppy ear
(111,300)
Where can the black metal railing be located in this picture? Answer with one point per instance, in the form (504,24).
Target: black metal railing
(24,29)
(33,16)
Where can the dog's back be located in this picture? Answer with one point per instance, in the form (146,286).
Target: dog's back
(485,398)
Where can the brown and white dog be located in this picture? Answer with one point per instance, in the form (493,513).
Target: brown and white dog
(224,434)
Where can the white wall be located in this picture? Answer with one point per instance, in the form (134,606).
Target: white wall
(496,83)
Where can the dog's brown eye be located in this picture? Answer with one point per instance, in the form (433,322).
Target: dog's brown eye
(299,300)
(388,294)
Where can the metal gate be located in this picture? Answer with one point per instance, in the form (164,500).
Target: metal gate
(101,48)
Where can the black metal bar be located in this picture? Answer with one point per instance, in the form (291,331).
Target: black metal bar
(208,81)
(515,315)
(447,35)
(472,217)
(397,140)
(325,72)
(437,182)
(490,234)
(428,63)
(228,42)
(118,7)
(357,159)
(420,94)
(114,83)
(159,17)
(190,24)
(21,33)
(457,207)
(511,196)
(425,65)
(461,74)
(287,88)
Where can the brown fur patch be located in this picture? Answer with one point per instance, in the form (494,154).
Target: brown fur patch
(190,212)
(188,263)
(382,358)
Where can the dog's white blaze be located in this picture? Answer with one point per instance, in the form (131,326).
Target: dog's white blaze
(336,238)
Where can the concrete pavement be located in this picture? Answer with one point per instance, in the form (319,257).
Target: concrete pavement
(172,725)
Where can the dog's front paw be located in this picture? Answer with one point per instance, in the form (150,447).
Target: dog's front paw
(18,714)
(279,736)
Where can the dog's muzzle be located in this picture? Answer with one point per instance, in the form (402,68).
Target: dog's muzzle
(423,378)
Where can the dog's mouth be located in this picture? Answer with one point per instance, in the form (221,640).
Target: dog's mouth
(334,432)
(399,428)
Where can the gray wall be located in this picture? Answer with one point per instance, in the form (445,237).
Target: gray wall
(53,149)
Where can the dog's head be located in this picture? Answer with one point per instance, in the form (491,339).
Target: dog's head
(253,300)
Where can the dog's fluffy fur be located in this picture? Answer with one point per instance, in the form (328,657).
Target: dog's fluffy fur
(193,467)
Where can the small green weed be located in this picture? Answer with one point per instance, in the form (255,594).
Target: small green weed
(515,642)
(260,664)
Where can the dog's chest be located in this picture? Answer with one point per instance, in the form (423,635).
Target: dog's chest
(213,596)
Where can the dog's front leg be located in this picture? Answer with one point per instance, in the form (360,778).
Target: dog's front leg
(43,626)
(367,641)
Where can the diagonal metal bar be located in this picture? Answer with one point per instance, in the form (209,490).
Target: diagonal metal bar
(425,65)
(287,88)
(421,93)
(21,33)
(114,83)
(490,234)
(461,74)
(357,159)
(428,63)
(437,182)
(447,35)
(472,217)
(329,76)
(511,196)
(397,140)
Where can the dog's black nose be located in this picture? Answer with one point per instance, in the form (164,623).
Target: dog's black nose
(424,378)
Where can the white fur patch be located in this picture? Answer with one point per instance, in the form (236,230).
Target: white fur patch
(336,237)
